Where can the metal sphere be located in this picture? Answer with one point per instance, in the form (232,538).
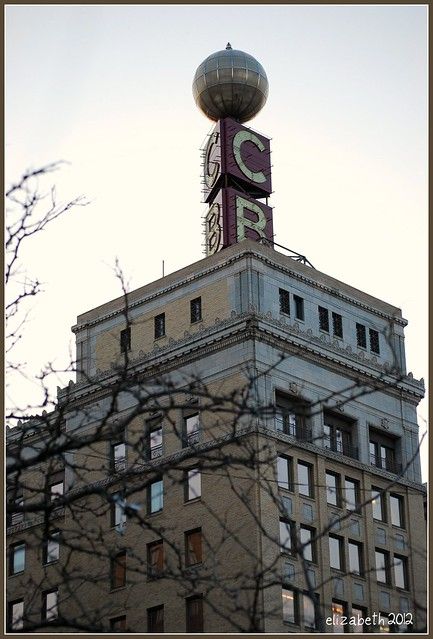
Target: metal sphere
(230,83)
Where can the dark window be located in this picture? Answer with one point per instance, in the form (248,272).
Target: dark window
(339,610)
(284,301)
(118,624)
(155,558)
(17,558)
(193,547)
(194,614)
(159,325)
(285,472)
(338,435)
(378,504)
(16,500)
(125,340)
(305,479)
(336,555)
(351,493)
(308,615)
(287,532)
(359,614)
(56,486)
(290,606)
(382,566)
(383,452)
(118,457)
(154,439)
(52,547)
(192,484)
(191,430)
(306,536)
(291,416)
(118,515)
(397,510)
(400,572)
(16,615)
(118,570)
(299,307)
(323,319)
(374,341)
(155,619)
(333,492)
(50,605)
(195,310)
(361,335)
(155,496)
(337,325)
(355,557)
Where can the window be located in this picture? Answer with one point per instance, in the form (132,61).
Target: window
(397,510)
(307,535)
(299,307)
(374,341)
(52,547)
(338,434)
(16,615)
(400,572)
(125,340)
(159,325)
(56,486)
(155,619)
(155,496)
(155,558)
(358,613)
(118,570)
(355,558)
(291,416)
(308,615)
(338,611)
(192,484)
(50,605)
(118,457)
(286,536)
(305,479)
(361,336)
(336,556)
(284,301)
(382,566)
(191,433)
(154,444)
(285,472)
(193,547)
(323,319)
(290,605)
(378,504)
(16,501)
(195,310)
(351,493)
(118,624)
(337,325)
(333,489)
(118,515)
(383,452)
(194,614)
(17,558)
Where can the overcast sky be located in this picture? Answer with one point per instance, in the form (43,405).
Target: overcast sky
(108,88)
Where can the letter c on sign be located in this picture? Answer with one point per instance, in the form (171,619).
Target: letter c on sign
(210,176)
(238,140)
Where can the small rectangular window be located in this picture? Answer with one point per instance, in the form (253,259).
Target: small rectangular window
(355,557)
(125,340)
(56,486)
(290,606)
(193,547)
(195,310)
(359,614)
(351,493)
(52,547)
(191,430)
(117,457)
(192,484)
(16,501)
(155,619)
(308,615)
(299,307)
(159,325)
(333,495)
(397,510)
(382,566)
(286,536)
(400,572)
(194,614)
(50,605)
(307,536)
(118,515)
(155,496)
(285,472)
(378,504)
(118,624)
(16,615)
(336,555)
(284,301)
(374,341)
(305,479)
(337,325)
(361,335)
(338,612)
(17,558)
(154,441)
(323,319)
(118,570)
(155,559)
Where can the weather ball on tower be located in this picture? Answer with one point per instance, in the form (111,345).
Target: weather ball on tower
(230,83)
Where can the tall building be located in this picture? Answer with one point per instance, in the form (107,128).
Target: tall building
(239,451)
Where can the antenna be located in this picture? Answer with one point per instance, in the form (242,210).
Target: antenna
(162,268)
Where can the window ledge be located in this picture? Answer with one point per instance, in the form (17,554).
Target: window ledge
(17,574)
(118,589)
(191,501)
(157,339)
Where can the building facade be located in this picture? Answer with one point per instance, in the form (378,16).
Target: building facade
(239,452)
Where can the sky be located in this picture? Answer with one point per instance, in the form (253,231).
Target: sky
(107,89)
